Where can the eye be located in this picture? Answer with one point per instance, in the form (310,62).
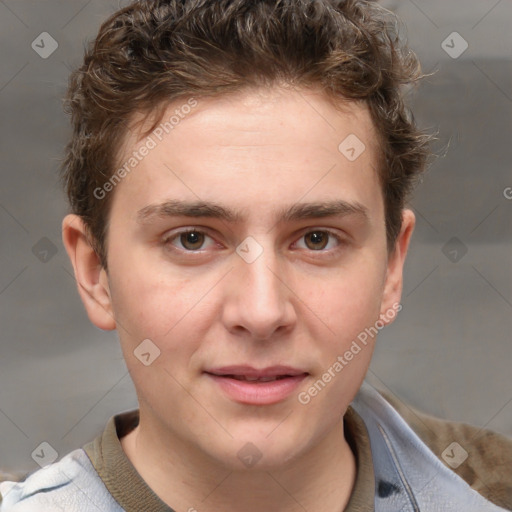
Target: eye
(194,240)
(190,239)
(319,239)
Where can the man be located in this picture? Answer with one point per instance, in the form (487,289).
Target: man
(238,173)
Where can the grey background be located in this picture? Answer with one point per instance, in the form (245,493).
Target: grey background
(448,353)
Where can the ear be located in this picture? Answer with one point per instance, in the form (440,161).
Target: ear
(394,273)
(91,277)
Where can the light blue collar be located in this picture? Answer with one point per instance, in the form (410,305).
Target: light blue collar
(409,477)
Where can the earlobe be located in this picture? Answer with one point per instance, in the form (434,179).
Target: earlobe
(394,274)
(91,277)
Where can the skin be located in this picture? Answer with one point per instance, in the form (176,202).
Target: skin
(300,303)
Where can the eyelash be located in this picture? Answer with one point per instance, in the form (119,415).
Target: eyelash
(170,238)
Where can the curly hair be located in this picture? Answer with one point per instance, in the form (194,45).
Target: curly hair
(154,52)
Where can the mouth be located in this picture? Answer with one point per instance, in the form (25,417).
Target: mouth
(251,374)
(248,385)
(252,379)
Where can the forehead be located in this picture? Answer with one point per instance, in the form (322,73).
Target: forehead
(247,143)
(301,113)
(305,112)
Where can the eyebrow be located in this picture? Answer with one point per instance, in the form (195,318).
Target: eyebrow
(298,211)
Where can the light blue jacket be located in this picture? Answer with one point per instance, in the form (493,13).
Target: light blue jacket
(416,480)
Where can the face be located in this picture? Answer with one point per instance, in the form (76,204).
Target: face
(248,244)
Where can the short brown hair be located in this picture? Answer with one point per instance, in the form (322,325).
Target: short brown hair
(154,52)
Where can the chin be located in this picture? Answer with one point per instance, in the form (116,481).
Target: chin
(258,452)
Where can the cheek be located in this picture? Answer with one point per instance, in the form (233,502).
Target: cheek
(169,313)
(150,304)
(350,300)
(350,306)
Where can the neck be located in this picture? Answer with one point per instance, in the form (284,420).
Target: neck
(320,480)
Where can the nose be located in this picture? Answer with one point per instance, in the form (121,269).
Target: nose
(259,301)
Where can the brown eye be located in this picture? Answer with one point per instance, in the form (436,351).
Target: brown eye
(317,240)
(192,240)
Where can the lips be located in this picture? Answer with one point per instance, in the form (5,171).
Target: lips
(247,385)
